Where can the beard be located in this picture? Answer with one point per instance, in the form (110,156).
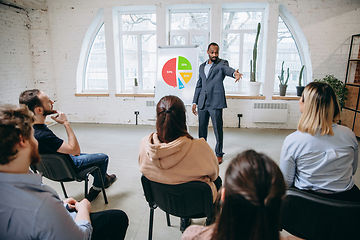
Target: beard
(214,59)
(48,112)
(34,154)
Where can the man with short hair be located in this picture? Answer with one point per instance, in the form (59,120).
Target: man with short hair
(31,210)
(209,96)
(41,105)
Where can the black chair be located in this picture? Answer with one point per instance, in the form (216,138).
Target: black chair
(61,168)
(186,200)
(313,217)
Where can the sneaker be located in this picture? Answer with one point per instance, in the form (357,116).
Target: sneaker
(184,223)
(92,194)
(109,180)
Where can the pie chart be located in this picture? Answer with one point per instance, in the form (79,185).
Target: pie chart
(177,72)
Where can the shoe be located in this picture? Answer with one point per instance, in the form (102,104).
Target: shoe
(92,194)
(184,223)
(220,160)
(109,179)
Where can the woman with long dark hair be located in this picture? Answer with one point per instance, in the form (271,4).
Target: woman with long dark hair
(250,202)
(321,156)
(172,156)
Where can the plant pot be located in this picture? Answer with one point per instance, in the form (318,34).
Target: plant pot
(254,88)
(299,90)
(282,89)
(136,89)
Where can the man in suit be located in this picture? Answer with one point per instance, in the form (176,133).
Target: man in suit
(209,95)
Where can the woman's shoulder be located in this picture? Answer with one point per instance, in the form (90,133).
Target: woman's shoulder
(197,232)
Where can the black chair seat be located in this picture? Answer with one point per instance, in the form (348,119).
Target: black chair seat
(313,217)
(61,168)
(186,200)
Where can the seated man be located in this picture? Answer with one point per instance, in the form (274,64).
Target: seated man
(41,105)
(31,210)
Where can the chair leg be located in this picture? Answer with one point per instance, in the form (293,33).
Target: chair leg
(168,220)
(86,186)
(151,221)
(63,188)
(102,186)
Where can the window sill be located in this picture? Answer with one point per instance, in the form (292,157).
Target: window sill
(134,95)
(244,97)
(92,95)
(277,97)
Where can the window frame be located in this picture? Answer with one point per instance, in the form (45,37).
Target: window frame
(125,11)
(89,38)
(261,54)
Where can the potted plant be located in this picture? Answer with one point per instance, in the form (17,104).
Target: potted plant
(300,88)
(136,86)
(338,86)
(254,86)
(283,84)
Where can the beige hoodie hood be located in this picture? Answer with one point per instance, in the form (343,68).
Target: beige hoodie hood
(167,155)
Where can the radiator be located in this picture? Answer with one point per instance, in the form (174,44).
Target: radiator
(270,112)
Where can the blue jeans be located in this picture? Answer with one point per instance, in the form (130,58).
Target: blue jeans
(100,160)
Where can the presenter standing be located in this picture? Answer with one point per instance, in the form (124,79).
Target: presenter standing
(209,95)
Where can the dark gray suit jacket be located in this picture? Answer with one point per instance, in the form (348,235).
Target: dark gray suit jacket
(212,85)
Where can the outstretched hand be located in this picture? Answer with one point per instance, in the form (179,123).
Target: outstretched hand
(238,75)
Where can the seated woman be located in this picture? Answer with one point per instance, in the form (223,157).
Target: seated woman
(321,156)
(172,156)
(250,201)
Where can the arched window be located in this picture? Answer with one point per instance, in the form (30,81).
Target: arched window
(95,77)
(292,48)
(91,74)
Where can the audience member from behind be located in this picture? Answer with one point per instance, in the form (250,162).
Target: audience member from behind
(31,210)
(321,156)
(41,105)
(172,156)
(250,202)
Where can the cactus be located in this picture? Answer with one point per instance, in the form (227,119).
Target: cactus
(136,82)
(300,77)
(253,61)
(281,77)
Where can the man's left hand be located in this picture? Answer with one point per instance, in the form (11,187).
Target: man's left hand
(238,75)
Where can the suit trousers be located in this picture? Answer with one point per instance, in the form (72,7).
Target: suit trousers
(217,122)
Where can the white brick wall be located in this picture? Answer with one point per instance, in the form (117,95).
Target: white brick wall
(16,70)
(56,37)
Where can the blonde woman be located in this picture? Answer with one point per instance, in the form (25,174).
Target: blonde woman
(321,156)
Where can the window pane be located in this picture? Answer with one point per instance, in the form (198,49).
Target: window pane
(148,61)
(178,40)
(241,20)
(189,21)
(130,60)
(239,32)
(138,22)
(96,67)
(202,43)
(287,51)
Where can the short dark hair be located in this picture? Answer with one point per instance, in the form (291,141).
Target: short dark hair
(213,44)
(30,99)
(171,119)
(254,187)
(15,121)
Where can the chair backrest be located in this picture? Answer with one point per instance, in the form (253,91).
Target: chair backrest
(314,217)
(187,200)
(56,167)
